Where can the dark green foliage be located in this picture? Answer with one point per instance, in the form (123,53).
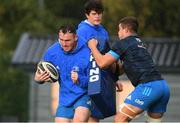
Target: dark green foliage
(14,90)
(33,16)
(158,18)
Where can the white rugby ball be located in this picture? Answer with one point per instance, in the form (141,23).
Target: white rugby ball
(43,65)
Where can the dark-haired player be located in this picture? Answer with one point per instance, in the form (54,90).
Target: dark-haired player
(151,90)
(71,58)
(90,28)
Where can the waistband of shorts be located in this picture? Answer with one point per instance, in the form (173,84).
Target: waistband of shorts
(150,80)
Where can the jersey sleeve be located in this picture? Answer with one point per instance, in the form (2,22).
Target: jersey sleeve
(114,54)
(47,56)
(85,35)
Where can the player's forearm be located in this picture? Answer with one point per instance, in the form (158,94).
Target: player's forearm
(98,57)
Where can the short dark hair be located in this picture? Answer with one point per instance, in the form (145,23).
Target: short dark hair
(95,5)
(129,22)
(67,28)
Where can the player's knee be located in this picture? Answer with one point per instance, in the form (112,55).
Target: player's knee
(154,117)
(153,120)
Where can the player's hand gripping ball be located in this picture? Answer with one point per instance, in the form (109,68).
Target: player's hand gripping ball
(50,68)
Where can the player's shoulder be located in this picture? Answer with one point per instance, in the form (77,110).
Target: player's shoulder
(130,40)
(84,26)
(53,48)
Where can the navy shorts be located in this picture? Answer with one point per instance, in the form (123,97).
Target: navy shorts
(151,96)
(68,112)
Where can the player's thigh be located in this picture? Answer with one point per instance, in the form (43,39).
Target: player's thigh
(62,120)
(81,114)
(135,103)
(145,95)
(64,113)
(93,119)
(127,112)
(82,109)
(133,109)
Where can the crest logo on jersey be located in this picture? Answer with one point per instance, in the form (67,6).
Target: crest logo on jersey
(57,67)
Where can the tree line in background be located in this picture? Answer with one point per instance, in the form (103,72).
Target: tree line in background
(158,18)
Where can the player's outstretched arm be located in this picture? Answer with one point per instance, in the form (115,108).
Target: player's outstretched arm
(103,61)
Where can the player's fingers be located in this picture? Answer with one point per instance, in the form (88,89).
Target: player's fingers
(38,71)
(44,76)
(74,76)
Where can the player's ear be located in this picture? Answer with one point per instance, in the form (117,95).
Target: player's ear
(87,15)
(76,37)
(126,30)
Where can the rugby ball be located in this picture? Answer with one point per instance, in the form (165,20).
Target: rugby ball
(47,66)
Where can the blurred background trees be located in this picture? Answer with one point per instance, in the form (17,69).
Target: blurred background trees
(157,19)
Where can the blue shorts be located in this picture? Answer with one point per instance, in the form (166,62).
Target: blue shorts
(68,112)
(151,96)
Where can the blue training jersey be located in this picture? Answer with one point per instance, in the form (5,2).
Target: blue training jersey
(137,62)
(65,62)
(86,31)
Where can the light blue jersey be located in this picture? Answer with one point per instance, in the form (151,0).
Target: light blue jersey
(86,31)
(65,62)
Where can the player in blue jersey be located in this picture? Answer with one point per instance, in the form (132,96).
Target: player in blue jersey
(92,28)
(71,58)
(151,91)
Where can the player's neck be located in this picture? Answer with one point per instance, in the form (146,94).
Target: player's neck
(130,34)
